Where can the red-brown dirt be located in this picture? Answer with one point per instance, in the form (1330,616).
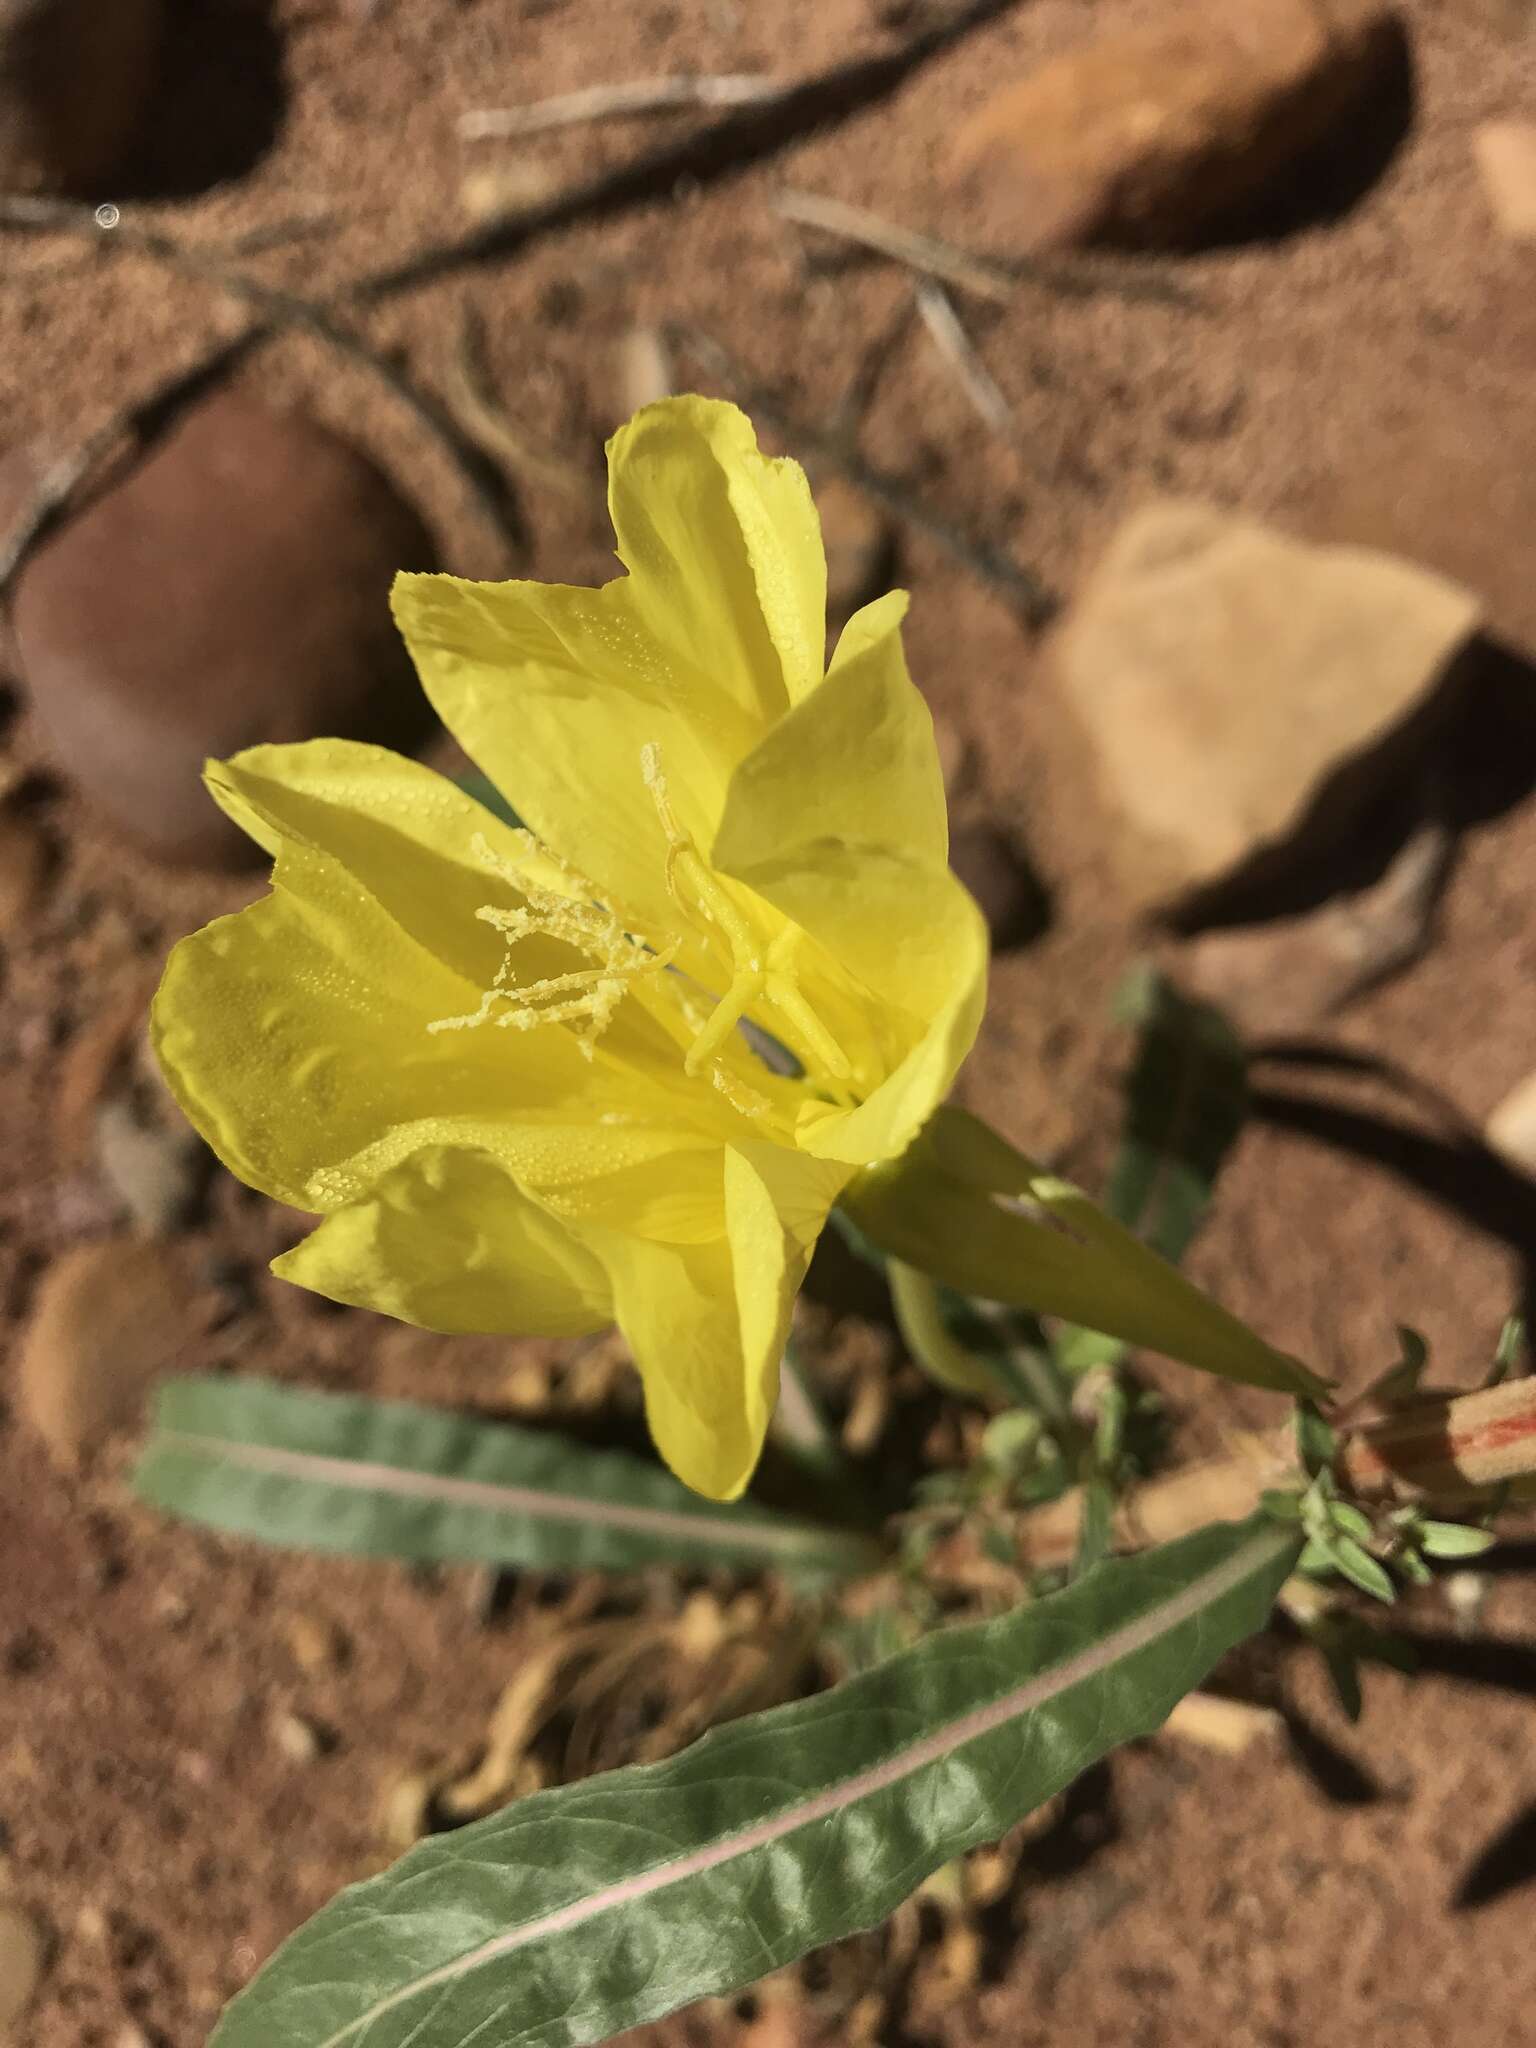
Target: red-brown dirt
(1369,1885)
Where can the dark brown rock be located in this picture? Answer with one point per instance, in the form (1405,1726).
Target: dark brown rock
(75,81)
(231,589)
(1152,135)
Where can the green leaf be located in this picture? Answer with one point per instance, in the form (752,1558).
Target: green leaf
(388,1479)
(1361,1569)
(962,1205)
(599,1906)
(1283,1504)
(1093,1537)
(950,1364)
(1453,1539)
(1316,1443)
(484,791)
(1352,1520)
(1399,1384)
(1186,1099)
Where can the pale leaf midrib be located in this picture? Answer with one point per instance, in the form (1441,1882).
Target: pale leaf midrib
(401,1482)
(935,1747)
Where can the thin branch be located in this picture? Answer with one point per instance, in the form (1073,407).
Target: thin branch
(1026,591)
(610,102)
(959,351)
(923,253)
(1079,277)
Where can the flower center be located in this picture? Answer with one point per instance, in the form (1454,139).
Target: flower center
(757,975)
(584,999)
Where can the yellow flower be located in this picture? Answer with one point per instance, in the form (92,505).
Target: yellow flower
(533,1080)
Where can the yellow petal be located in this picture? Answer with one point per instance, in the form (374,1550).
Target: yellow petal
(854,764)
(707,1325)
(449,1242)
(930,921)
(296,1034)
(723,546)
(860,862)
(406,833)
(559,693)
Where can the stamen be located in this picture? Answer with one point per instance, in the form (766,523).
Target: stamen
(751,979)
(585,998)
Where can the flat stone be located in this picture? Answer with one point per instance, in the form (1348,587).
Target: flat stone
(75,83)
(1506,157)
(107,1321)
(1241,692)
(1151,135)
(232,589)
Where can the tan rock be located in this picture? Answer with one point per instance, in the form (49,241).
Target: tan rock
(153,1169)
(1240,691)
(1511,1129)
(109,1319)
(1150,134)
(1506,157)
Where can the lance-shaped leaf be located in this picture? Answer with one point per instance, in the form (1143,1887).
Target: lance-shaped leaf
(389,1479)
(962,1205)
(598,1906)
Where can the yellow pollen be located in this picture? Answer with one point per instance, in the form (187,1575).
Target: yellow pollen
(584,998)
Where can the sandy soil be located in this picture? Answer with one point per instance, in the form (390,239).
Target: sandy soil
(1367,1885)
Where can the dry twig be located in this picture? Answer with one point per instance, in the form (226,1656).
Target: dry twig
(959,351)
(987,279)
(608,102)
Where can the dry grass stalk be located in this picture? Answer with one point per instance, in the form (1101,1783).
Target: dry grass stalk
(609,102)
